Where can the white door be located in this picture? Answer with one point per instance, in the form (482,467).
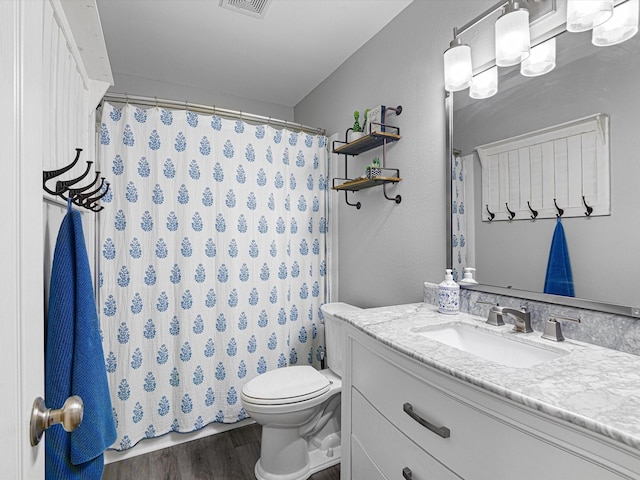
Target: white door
(21,265)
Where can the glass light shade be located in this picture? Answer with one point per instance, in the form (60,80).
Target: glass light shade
(620,27)
(583,15)
(513,40)
(485,84)
(542,59)
(457,68)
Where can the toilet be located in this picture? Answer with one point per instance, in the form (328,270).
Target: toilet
(299,410)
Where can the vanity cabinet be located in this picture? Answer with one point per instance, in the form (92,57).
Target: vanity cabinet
(401,414)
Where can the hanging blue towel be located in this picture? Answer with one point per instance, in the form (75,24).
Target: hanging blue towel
(75,362)
(559,280)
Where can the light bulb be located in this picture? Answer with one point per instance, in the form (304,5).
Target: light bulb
(620,27)
(512,36)
(485,84)
(583,15)
(457,67)
(542,59)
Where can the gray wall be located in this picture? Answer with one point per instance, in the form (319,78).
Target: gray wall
(133,85)
(387,251)
(604,251)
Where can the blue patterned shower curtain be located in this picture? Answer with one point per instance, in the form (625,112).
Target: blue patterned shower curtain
(212,267)
(458,217)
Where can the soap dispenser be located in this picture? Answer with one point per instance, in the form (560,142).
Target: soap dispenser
(467,276)
(449,295)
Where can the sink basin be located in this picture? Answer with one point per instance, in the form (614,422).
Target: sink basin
(491,346)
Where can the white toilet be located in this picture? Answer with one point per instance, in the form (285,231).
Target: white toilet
(299,410)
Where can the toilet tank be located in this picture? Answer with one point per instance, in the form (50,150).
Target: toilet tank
(334,335)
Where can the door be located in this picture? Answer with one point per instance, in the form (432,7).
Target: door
(21,278)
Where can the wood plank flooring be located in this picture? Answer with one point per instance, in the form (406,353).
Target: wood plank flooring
(226,456)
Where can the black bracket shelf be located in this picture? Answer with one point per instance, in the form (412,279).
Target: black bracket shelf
(366,143)
(380,134)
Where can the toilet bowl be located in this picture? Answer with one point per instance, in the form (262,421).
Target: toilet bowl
(299,410)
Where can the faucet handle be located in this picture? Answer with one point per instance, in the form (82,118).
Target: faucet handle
(553,331)
(553,328)
(495,316)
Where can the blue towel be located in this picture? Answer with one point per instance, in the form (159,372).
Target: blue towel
(559,280)
(75,362)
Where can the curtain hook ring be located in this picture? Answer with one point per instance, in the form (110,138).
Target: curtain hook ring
(156,102)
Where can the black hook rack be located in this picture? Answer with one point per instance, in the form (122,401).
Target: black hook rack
(560,210)
(534,213)
(589,209)
(511,215)
(79,196)
(491,214)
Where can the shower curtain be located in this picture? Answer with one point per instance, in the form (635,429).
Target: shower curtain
(212,266)
(459,218)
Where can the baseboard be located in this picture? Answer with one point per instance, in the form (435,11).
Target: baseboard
(171,439)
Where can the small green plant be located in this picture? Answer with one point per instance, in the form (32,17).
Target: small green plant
(366,114)
(356,123)
(376,162)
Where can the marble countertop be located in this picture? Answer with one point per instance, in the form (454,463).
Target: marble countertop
(594,387)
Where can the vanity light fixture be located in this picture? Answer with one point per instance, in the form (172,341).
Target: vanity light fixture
(542,59)
(620,27)
(513,41)
(457,65)
(484,84)
(583,15)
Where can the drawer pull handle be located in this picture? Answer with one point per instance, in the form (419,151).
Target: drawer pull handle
(444,432)
(406,473)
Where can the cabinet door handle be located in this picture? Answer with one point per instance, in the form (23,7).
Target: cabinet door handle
(444,432)
(406,473)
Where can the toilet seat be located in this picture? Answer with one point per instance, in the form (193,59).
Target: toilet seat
(286,385)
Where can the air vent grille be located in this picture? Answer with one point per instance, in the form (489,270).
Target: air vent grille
(253,8)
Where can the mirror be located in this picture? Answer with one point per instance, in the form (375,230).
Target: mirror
(604,250)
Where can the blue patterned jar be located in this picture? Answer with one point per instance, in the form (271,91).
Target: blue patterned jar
(449,295)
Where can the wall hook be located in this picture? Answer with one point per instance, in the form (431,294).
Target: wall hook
(511,214)
(589,209)
(63,185)
(48,175)
(560,210)
(491,214)
(534,213)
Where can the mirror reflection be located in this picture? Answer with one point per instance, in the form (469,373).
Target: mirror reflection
(604,251)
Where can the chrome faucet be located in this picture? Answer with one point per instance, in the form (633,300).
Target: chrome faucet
(522,318)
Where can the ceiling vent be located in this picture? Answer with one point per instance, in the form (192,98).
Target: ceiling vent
(253,8)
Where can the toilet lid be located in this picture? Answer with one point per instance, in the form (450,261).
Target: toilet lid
(286,385)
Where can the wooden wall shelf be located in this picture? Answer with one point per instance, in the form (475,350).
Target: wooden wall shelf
(387,134)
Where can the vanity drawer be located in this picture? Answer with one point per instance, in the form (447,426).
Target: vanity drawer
(362,467)
(390,449)
(482,444)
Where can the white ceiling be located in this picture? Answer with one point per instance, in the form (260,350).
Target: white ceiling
(278,59)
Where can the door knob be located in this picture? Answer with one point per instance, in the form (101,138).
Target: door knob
(70,416)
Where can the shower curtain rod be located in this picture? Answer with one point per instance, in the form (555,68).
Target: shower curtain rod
(212,110)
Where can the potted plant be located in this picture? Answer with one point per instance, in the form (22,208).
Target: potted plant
(374,170)
(356,132)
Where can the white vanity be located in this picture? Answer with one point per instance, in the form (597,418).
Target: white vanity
(416,408)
